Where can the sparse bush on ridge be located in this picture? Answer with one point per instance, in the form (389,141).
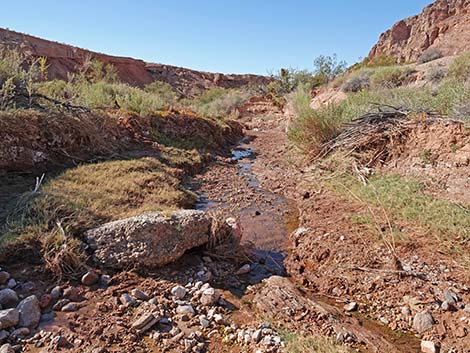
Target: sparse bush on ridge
(357,80)
(389,76)
(429,54)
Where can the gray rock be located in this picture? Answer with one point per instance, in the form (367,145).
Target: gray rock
(429,347)
(8,298)
(7,348)
(56,292)
(70,307)
(9,318)
(20,332)
(48,316)
(126,299)
(30,312)
(141,295)
(209,297)
(451,297)
(90,278)
(150,240)
(446,306)
(60,304)
(243,270)
(185,309)
(60,341)
(467,308)
(145,322)
(422,321)
(105,280)
(4,277)
(11,283)
(178,292)
(204,321)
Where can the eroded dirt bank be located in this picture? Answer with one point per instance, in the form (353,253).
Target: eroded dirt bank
(315,273)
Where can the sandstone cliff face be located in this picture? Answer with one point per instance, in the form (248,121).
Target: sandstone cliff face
(63,59)
(444,25)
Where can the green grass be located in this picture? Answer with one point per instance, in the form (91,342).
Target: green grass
(310,344)
(407,200)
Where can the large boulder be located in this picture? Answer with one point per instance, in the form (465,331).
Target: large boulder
(150,240)
(30,312)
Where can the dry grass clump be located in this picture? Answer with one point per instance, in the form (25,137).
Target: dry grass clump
(88,195)
(311,344)
(225,241)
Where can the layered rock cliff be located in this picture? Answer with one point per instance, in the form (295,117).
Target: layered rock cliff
(444,25)
(64,59)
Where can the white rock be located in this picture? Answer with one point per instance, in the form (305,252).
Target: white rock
(219,319)
(209,297)
(428,347)
(179,292)
(352,306)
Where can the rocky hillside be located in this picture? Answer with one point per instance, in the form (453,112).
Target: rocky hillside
(445,25)
(65,59)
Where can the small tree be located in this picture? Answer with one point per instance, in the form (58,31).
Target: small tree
(328,67)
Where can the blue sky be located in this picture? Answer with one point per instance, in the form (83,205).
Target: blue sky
(230,36)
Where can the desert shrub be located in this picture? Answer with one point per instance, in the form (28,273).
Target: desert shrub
(18,76)
(389,76)
(429,54)
(219,102)
(93,70)
(310,128)
(357,80)
(163,90)
(459,68)
(57,89)
(436,74)
(327,68)
(380,60)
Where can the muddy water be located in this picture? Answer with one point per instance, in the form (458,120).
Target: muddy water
(265,223)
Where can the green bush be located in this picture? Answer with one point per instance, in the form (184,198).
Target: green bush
(163,90)
(389,76)
(17,79)
(218,102)
(310,128)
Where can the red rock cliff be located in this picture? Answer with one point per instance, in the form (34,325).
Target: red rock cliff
(445,24)
(63,59)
